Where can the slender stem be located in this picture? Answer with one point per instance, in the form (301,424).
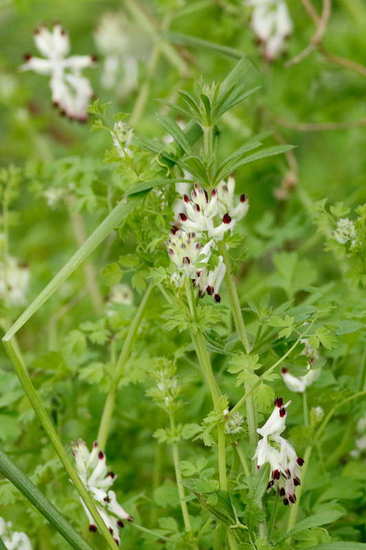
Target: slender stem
(100,233)
(169,52)
(90,275)
(105,423)
(206,367)
(242,333)
(179,479)
(40,411)
(140,103)
(305,408)
(243,460)
(295,508)
(2,545)
(249,401)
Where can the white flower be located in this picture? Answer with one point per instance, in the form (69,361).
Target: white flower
(114,38)
(272,24)
(122,135)
(299,384)
(279,454)
(213,213)
(71,92)
(210,281)
(276,423)
(187,253)
(360,441)
(121,294)
(13,540)
(345,232)
(14,281)
(93,472)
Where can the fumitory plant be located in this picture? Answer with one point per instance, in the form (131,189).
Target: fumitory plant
(182,276)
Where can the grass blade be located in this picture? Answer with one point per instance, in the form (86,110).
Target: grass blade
(39,501)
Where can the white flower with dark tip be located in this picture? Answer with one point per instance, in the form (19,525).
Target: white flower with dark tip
(122,135)
(187,253)
(93,472)
(215,212)
(209,281)
(271,23)
(71,92)
(299,384)
(14,281)
(345,232)
(13,540)
(275,450)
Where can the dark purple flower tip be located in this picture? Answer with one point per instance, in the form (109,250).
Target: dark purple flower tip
(282,412)
(284,370)
(276,474)
(111,474)
(278,402)
(100,455)
(92,528)
(27,56)
(226,218)
(292,499)
(285,501)
(186,198)
(174,229)
(120,524)
(94,58)
(210,290)
(282,492)
(186,260)
(243,197)
(297,482)
(300,461)
(183,217)
(217,298)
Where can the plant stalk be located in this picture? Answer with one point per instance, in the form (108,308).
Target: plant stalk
(206,367)
(105,423)
(13,352)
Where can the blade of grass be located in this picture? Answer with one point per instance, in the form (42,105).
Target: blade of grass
(13,352)
(9,470)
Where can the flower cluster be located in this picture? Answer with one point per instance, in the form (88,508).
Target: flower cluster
(279,454)
(93,472)
(71,92)
(14,281)
(345,232)
(13,540)
(204,220)
(299,384)
(116,40)
(271,24)
(233,423)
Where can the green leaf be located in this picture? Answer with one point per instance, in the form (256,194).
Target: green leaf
(174,131)
(188,40)
(340,545)
(111,274)
(264,153)
(30,491)
(316,520)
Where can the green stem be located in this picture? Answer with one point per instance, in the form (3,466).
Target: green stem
(295,508)
(40,411)
(9,470)
(140,103)
(206,367)
(90,275)
(179,479)
(305,408)
(243,461)
(100,233)
(105,423)
(2,545)
(242,333)
(168,51)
